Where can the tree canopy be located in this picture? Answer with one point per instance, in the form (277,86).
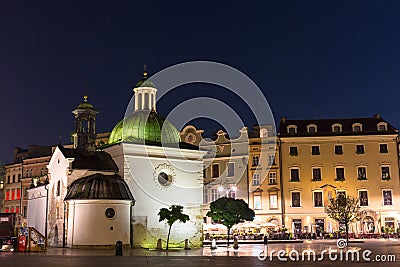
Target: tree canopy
(230,211)
(344,209)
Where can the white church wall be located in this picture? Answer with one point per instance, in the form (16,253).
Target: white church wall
(186,189)
(89,226)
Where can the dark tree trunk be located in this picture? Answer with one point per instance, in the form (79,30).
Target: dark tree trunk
(229,229)
(347,232)
(169,232)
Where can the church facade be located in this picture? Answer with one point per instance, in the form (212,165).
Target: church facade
(159,169)
(96,197)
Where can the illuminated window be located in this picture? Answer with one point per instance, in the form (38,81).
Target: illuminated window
(297,225)
(263,133)
(8,195)
(214,194)
(387,197)
(1,185)
(361,173)
(18,193)
(273,201)
(272,178)
(256,179)
(12,194)
(271,160)
(389,222)
(257,202)
(363,196)
(385,172)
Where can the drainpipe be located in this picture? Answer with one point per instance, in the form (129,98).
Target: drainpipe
(65,211)
(47,211)
(130,224)
(281,183)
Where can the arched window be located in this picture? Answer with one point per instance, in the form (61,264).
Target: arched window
(357,127)
(311,128)
(336,128)
(292,129)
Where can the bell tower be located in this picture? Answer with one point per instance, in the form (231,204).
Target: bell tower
(84,135)
(145,94)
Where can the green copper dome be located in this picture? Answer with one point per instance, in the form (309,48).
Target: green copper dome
(145,83)
(85,104)
(144,126)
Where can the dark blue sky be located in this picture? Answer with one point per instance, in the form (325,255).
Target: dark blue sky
(312,59)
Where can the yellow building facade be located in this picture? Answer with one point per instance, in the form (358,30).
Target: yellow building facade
(264,175)
(325,158)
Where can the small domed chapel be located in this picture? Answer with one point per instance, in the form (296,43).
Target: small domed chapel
(95,197)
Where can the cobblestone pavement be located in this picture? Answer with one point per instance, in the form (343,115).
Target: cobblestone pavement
(246,255)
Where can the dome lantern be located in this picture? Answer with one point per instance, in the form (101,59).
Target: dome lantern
(145,93)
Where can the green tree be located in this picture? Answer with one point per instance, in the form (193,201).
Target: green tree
(230,211)
(173,214)
(344,209)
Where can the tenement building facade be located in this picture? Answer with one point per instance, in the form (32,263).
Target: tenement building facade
(326,158)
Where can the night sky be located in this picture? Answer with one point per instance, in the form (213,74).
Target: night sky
(312,59)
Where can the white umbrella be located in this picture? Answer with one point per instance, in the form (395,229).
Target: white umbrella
(268,224)
(214,227)
(250,225)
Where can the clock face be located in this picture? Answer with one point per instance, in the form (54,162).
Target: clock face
(190,138)
(164,175)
